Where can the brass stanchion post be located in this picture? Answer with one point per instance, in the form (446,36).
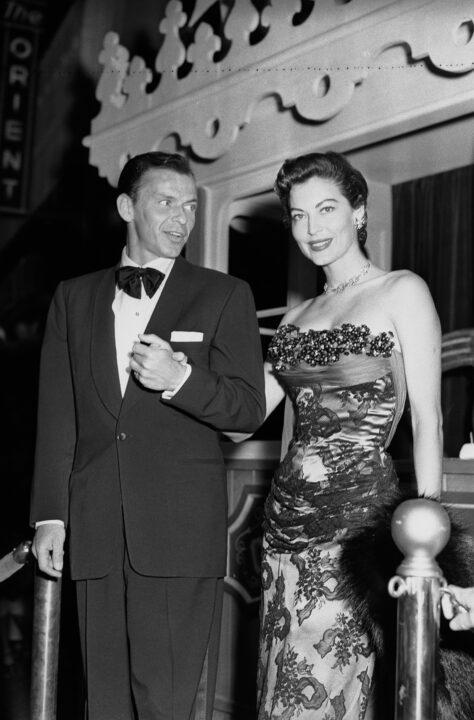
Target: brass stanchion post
(45,647)
(421,529)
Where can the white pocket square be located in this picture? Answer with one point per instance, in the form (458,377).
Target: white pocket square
(185,336)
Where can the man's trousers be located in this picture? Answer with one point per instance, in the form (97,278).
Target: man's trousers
(149,645)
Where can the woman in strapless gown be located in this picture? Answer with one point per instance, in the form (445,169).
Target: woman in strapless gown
(345,360)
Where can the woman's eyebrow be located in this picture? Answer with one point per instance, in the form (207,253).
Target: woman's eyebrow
(319,203)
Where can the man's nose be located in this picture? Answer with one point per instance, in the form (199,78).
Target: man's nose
(180,216)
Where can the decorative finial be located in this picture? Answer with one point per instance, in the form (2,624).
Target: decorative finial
(420,529)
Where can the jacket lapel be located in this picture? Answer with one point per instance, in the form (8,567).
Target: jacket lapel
(163,321)
(103,354)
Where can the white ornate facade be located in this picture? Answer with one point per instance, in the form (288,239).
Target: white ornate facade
(329,74)
(313,71)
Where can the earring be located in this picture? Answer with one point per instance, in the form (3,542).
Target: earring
(359,223)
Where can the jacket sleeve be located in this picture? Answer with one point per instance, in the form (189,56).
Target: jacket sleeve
(229,394)
(56,429)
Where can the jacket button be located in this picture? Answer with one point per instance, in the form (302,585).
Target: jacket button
(122,436)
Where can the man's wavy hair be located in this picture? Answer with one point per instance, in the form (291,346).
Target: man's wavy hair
(328,166)
(135,168)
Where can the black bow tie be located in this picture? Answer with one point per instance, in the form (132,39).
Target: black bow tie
(128,279)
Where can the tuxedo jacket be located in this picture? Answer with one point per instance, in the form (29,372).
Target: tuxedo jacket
(142,464)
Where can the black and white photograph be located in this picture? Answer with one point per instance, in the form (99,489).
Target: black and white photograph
(237,354)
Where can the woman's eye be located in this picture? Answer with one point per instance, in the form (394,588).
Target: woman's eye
(327,209)
(296,217)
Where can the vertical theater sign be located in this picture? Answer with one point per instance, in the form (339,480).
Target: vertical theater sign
(20,26)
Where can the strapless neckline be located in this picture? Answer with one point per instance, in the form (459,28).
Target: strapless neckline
(290,345)
(361,327)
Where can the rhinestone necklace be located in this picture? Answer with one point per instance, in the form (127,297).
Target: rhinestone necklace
(349,282)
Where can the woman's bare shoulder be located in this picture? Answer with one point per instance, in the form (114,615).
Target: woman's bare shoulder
(404,285)
(293,314)
(408,301)
(406,278)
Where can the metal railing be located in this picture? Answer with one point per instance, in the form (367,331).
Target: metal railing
(45,647)
(45,638)
(420,529)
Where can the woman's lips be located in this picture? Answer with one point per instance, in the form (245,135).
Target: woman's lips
(318,245)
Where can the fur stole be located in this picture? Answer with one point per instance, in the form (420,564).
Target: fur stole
(369,559)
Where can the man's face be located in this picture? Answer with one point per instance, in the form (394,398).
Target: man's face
(162,215)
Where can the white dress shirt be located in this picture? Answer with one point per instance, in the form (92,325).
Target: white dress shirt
(133,314)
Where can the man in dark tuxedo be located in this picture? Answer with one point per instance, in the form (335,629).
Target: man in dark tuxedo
(128,462)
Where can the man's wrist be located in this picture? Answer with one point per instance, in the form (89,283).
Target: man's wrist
(168,394)
(49,522)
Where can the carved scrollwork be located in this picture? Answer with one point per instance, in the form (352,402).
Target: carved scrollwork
(240,25)
(134,85)
(314,66)
(172,53)
(280,13)
(217,130)
(321,94)
(114,58)
(449,43)
(201,53)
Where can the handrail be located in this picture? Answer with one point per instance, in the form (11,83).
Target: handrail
(45,647)
(45,640)
(14,560)
(421,529)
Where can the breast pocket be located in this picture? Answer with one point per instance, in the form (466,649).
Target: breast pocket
(196,352)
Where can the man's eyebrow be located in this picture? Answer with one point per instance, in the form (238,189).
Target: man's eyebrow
(166,196)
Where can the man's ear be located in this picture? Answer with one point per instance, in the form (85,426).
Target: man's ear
(125,207)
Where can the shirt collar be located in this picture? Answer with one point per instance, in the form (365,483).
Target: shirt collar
(163,264)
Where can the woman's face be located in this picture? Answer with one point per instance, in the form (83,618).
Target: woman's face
(322,220)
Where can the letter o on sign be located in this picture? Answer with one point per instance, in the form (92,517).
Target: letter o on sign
(21,48)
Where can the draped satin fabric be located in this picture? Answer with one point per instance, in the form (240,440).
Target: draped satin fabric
(337,463)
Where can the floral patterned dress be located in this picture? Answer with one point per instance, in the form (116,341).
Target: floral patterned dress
(348,391)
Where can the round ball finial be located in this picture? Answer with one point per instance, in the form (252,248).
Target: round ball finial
(420,529)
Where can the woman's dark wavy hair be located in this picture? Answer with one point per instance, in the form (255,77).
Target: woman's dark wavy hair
(329,166)
(137,166)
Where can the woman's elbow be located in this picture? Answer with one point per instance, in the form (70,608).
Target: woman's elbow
(428,423)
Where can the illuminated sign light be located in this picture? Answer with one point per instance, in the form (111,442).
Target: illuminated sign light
(21,22)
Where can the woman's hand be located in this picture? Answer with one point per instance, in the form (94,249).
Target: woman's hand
(458,607)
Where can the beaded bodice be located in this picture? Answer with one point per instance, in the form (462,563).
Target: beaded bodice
(290,345)
(347,388)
